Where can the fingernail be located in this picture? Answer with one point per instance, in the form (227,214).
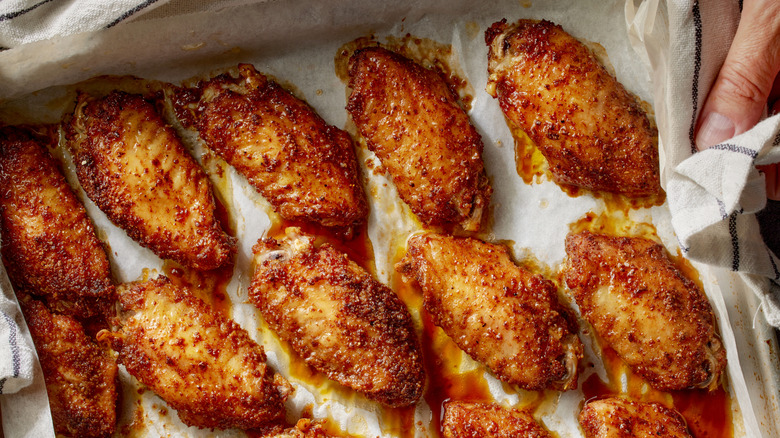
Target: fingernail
(715,129)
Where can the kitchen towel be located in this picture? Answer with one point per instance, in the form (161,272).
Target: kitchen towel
(714,194)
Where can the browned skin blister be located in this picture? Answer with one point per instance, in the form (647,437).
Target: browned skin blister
(619,418)
(484,420)
(202,364)
(656,319)
(412,121)
(81,379)
(49,244)
(304,167)
(338,318)
(592,132)
(497,312)
(134,168)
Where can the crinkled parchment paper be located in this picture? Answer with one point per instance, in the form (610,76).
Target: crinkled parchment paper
(296,42)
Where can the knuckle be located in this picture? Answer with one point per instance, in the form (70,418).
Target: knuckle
(742,83)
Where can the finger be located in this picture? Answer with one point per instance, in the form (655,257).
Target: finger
(738,97)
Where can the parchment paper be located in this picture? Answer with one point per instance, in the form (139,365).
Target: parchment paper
(296,42)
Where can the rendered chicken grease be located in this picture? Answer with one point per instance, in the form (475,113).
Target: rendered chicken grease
(338,318)
(654,317)
(496,311)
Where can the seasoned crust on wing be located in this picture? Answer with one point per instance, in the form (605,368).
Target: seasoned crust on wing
(645,308)
(304,428)
(304,167)
(425,140)
(590,129)
(338,318)
(485,420)
(81,379)
(135,169)
(497,312)
(619,418)
(202,364)
(49,244)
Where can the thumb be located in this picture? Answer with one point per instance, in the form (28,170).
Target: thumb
(739,95)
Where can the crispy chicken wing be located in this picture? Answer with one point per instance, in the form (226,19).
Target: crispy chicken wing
(135,169)
(49,244)
(496,311)
(81,379)
(203,365)
(336,316)
(591,130)
(304,167)
(304,428)
(425,140)
(642,306)
(619,418)
(483,420)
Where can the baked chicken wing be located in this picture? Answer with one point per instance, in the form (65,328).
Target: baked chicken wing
(646,309)
(483,420)
(497,312)
(592,132)
(135,169)
(412,121)
(81,379)
(338,318)
(619,418)
(304,167)
(304,428)
(49,245)
(203,365)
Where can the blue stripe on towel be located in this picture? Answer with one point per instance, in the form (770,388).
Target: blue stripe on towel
(12,15)
(12,340)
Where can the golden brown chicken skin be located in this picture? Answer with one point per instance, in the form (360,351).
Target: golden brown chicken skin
(412,121)
(202,364)
(338,318)
(484,420)
(497,312)
(135,169)
(304,428)
(49,245)
(620,418)
(304,167)
(646,309)
(592,132)
(81,379)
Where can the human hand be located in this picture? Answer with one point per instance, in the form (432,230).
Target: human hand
(748,81)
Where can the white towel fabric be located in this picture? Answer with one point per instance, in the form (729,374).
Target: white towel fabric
(714,194)
(25,21)
(16,359)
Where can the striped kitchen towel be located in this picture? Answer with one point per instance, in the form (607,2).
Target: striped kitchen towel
(16,360)
(24,21)
(713,195)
